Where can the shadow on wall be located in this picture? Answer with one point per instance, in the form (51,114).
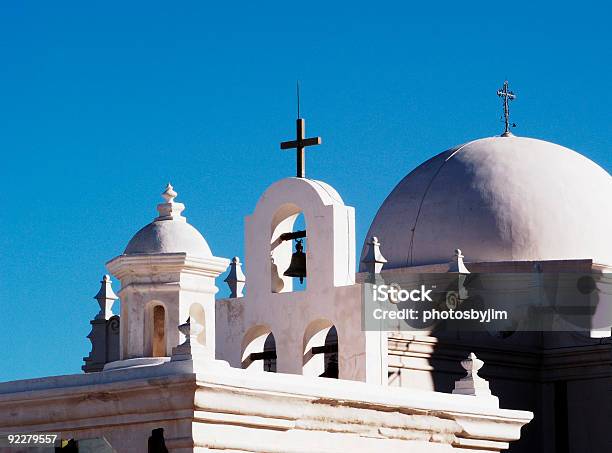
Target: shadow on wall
(523,392)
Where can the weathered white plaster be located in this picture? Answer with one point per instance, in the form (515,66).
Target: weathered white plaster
(226,409)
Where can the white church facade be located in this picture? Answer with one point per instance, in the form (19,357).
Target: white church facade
(283,367)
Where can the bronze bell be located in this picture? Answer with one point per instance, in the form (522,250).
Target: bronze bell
(297,267)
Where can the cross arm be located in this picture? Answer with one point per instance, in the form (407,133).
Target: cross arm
(301,143)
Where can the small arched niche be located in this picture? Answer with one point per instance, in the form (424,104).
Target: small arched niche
(288,220)
(198,315)
(321,350)
(259,350)
(155,330)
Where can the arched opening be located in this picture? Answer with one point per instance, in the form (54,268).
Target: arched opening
(321,350)
(197,315)
(269,354)
(330,354)
(159,331)
(301,244)
(259,350)
(288,250)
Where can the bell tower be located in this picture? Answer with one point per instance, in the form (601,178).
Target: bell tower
(314,332)
(329,230)
(317,331)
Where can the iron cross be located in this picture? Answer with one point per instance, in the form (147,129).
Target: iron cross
(299,144)
(508,96)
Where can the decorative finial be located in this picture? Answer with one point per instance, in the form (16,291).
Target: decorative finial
(472,364)
(300,143)
(105,297)
(194,353)
(170,210)
(457,265)
(472,384)
(169,194)
(235,279)
(191,348)
(507,96)
(374,260)
(190,331)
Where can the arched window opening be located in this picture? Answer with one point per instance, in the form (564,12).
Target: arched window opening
(268,355)
(321,350)
(288,250)
(259,352)
(330,354)
(159,331)
(297,265)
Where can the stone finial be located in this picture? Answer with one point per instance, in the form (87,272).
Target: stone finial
(472,384)
(374,260)
(191,346)
(105,297)
(456,264)
(235,279)
(196,356)
(170,210)
(169,194)
(191,331)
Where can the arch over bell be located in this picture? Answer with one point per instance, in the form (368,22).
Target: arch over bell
(297,266)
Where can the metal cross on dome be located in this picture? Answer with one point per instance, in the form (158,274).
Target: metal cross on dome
(300,143)
(507,96)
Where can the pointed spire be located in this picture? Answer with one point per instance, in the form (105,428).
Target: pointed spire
(456,264)
(105,297)
(374,260)
(235,279)
(170,210)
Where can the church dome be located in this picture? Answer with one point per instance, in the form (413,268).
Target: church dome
(498,199)
(169,232)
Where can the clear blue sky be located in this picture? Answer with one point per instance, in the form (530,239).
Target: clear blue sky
(102,103)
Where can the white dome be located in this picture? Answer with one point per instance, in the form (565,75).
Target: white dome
(498,199)
(168,236)
(169,233)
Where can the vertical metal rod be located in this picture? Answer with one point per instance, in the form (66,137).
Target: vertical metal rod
(298,99)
